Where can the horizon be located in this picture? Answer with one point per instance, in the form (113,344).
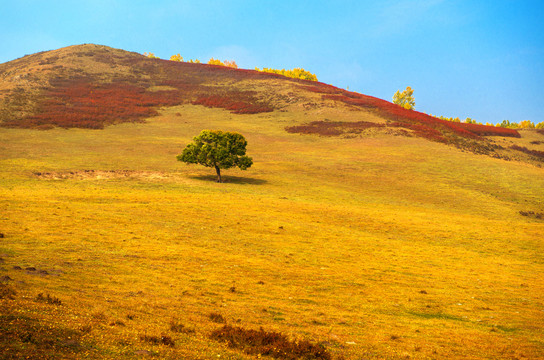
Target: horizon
(482,61)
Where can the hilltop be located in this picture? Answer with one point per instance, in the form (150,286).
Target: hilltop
(92,86)
(362,230)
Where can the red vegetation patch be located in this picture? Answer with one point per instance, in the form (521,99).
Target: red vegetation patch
(535,153)
(485,130)
(271,344)
(540,131)
(81,104)
(422,124)
(236,102)
(332,128)
(81,98)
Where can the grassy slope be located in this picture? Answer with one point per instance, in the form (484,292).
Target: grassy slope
(380,247)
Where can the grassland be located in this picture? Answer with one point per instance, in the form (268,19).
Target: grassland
(377,246)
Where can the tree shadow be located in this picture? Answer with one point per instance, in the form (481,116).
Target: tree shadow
(229,179)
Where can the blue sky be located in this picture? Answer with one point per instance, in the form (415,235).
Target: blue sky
(467,58)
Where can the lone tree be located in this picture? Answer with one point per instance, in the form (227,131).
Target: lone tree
(405,98)
(217,149)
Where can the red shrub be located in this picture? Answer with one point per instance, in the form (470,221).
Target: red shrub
(485,130)
(81,104)
(424,125)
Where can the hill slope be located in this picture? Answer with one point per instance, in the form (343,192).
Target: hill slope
(91,86)
(363,241)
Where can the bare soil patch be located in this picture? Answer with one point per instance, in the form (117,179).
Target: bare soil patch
(102,174)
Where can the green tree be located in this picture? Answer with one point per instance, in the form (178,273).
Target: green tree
(405,98)
(217,149)
(507,124)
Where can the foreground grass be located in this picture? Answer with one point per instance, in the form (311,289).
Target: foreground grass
(374,247)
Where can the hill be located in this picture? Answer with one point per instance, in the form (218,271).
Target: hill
(351,236)
(92,86)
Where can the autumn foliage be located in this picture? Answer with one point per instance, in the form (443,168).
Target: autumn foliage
(227,63)
(423,124)
(86,100)
(79,103)
(296,73)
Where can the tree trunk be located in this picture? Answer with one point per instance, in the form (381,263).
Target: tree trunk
(218,173)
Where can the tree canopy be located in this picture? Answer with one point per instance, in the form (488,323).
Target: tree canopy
(227,63)
(217,149)
(150,55)
(176,57)
(296,73)
(405,98)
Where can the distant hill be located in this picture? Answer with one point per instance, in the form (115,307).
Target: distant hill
(92,86)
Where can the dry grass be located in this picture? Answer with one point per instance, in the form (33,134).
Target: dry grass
(375,247)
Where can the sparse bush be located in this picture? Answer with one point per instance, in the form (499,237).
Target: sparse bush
(163,339)
(272,344)
(117,323)
(180,328)
(535,153)
(48,299)
(217,318)
(539,216)
(7,292)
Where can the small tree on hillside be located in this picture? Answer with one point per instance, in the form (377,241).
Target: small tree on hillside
(405,98)
(231,63)
(217,149)
(176,57)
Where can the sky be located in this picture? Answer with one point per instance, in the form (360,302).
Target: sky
(482,59)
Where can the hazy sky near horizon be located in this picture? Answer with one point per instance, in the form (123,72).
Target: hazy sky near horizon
(482,59)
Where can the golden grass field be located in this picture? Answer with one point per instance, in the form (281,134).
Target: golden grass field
(377,247)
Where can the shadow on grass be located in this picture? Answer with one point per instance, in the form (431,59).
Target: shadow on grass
(230,179)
